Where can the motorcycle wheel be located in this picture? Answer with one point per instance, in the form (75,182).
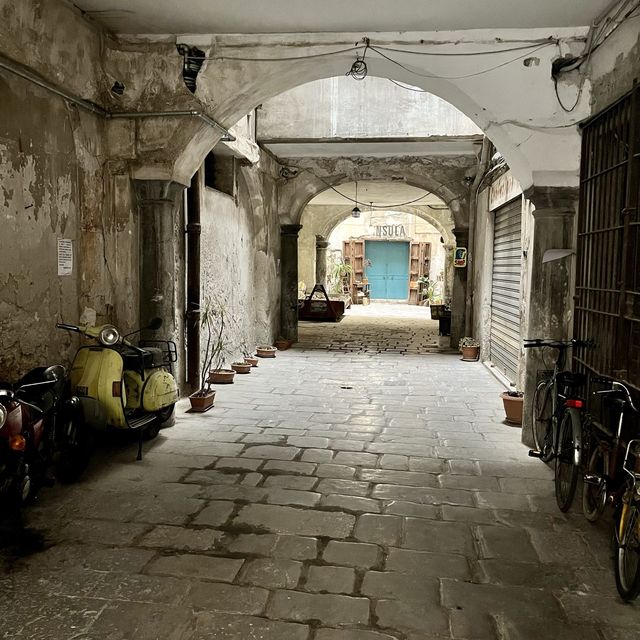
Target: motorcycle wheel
(75,450)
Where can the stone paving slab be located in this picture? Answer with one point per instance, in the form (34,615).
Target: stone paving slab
(401,508)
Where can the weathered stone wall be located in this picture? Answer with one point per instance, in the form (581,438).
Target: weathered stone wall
(56,182)
(615,65)
(327,220)
(39,203)
(239,264)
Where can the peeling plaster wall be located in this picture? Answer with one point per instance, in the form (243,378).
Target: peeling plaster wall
(56,182)
(615,65)
(318,218)
(240,260)
(39,203)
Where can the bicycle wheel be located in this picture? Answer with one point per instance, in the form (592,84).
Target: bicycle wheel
(627,558)
(594,493)
(567,467)
(541,413)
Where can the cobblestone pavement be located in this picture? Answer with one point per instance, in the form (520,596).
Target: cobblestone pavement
(327,496)
(377,328)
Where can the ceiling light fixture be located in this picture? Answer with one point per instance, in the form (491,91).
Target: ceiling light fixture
(355,212)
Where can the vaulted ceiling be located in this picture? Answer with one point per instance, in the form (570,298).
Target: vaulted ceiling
(366,16)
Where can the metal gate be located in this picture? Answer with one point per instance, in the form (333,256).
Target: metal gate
(505,289)
(608,265)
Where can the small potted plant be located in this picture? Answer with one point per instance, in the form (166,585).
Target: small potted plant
(513,401)
(211,314)
(282,344)
(266,351)
(470,348)
(249,359)
(241,367)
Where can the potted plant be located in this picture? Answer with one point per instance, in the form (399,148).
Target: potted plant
(217,373)
(282,344)
(470,348)
(513,401)
(211,314)
(249,359)
(241,367)
(266,351)
(340,277)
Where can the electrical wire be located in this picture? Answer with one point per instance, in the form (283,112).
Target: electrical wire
(381,207)
(407,87)
(469,75)
(310,56)
(376,206)
(534,43)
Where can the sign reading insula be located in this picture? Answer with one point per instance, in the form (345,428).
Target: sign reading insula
(390,231)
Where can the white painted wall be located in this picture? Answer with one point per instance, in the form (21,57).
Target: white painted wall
(373,108)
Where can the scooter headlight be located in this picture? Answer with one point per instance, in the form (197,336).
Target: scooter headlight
(109,336)
(3,415)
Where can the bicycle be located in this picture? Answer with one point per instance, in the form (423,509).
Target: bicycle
(627,528)
(557,430)
(604,480)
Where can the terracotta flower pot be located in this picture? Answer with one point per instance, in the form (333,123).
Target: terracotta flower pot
(512,408)
(251,360)
(243,367)
(221,376)
(266,352)
(202,403)
(282,345)
(470,354)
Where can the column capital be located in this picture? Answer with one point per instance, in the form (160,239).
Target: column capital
(321,242)
(291,230)
(461,233)
(157,191)
(559,201)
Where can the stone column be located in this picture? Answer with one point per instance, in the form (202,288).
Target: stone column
(459,293)
(321,260)
(289,281)
(162,259)
(549,301)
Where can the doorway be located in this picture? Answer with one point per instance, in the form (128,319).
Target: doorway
(387,269)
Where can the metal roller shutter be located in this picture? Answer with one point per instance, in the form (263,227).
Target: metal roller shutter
(505,289)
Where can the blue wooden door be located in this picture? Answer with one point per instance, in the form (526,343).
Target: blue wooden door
(388,272)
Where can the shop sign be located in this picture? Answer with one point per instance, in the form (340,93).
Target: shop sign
(390,231)
(460,257)
(504,189)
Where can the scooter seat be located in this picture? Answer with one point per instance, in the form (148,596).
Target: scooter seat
(149,358)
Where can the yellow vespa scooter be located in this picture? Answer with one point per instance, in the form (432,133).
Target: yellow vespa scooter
(121,385)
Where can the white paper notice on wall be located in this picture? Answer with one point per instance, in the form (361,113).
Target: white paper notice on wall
(65,257)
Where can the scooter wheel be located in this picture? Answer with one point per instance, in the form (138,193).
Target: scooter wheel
(150,432)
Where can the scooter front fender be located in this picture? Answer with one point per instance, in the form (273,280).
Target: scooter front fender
(97,374)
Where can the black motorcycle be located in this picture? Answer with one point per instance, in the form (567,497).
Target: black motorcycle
(41,431)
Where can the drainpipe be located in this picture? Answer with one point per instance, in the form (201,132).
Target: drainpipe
(194,229)
(473,210)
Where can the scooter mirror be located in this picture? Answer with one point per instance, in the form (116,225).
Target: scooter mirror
(155,324)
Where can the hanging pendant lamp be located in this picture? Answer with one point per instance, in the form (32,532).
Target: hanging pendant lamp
(355,212)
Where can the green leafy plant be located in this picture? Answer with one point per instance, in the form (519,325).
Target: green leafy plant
(339,272)
(468,342)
